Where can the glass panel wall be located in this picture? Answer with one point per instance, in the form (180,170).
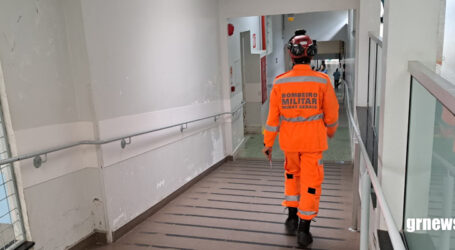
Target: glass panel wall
(378,90)
(373,101)
(430,172)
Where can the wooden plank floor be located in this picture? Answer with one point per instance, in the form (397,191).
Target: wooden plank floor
(238,206)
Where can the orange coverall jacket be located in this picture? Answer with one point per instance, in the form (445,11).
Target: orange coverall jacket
(303,109)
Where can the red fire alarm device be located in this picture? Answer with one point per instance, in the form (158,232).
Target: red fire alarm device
(232,88)
(230,29)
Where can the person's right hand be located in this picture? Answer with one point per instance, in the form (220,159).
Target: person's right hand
(267,152)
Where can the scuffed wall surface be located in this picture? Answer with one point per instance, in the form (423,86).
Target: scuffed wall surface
(137,184)
(153,64)
(75,72)
(151,55)
(73,199)
(43,55)
(38,60)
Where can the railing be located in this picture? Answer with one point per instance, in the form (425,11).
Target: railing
(369,178)
(376,38)
(430,184)
(124,140)
(439,87)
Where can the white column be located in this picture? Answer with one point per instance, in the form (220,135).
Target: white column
(410,33)
(369,21)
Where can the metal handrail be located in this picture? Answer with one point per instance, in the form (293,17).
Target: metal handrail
(443,90)
(394,234)
(38,160)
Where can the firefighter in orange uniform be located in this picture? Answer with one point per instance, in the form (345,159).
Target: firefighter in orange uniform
(304,110)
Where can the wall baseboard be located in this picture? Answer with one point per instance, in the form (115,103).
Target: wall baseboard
(140,218)
(94,239)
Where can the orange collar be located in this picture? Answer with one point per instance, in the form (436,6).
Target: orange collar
(301,67)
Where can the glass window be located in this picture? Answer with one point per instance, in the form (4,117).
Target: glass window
(430,171)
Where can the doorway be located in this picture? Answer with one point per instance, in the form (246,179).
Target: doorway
(251,85)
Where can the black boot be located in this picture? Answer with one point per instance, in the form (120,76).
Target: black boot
(304,237)
(292,221)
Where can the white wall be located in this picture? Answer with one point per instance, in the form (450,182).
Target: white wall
(240,8)
(448,63)
(47,87)
(320,26)
(153,63)
(404,22)
(148,45)
(79,70)
(275,60)
(369,21)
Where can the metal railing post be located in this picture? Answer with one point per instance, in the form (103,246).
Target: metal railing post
(355,187)
(365,211)
(448,185)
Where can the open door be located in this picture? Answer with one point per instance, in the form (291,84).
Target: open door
(251,85)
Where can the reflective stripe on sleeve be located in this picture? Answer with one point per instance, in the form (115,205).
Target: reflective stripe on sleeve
(272,128)
(332,124)
(292,197)
(307,212)
(303,119)
(301,79)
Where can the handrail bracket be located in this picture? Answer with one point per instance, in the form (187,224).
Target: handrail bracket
(38,160)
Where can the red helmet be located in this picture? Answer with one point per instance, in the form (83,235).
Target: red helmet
(301,45)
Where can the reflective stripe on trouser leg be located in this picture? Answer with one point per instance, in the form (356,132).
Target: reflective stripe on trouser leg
(291,180)
(308,212)
(311,176)
(292,197)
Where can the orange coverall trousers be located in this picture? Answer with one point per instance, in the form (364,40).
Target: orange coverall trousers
(304,174)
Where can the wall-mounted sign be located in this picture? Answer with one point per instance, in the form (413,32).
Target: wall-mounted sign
(254,41)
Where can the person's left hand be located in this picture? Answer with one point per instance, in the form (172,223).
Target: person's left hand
(267,152)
